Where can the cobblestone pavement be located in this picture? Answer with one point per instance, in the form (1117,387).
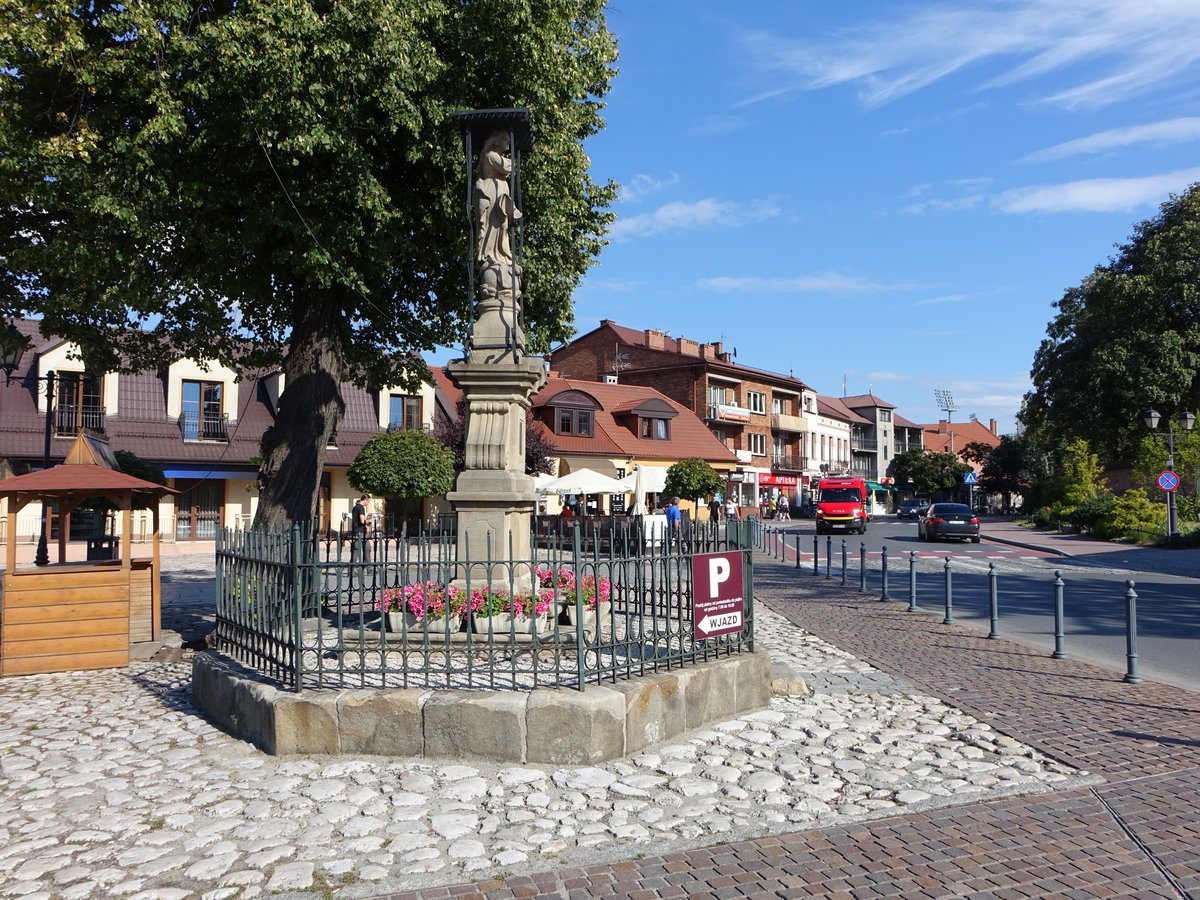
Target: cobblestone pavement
(113,786)
(1136,835)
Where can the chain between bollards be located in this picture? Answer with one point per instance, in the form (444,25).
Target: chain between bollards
(912,581)
(862,567)
(993,602)
(948,619)
(1059,652)
(883,595)
(1131,654)
(843,560)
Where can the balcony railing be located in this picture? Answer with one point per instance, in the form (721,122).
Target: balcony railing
(71,420)
(902,447)
(787,463)
(204,426)
(401,426)
(865,444)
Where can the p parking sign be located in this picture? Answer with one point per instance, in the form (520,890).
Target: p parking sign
(718,605)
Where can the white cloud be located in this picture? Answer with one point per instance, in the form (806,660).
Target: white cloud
(614,285)
(640,185)
(1077,52)
(706,213)
(821,282)
(1095,194)
(1171,131)
(949,298)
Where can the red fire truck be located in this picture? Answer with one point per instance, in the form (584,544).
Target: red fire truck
(842,505)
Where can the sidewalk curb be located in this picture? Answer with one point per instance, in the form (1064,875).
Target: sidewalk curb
(1028,546)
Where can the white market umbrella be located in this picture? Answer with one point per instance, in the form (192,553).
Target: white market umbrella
(584,481)
(653,479)
(639,496)
(541,478)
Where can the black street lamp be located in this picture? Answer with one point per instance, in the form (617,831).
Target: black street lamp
(1151,418)
(12,348)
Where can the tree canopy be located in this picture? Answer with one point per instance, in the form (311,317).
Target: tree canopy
(1124,340)
(692,478)
(279,183)
(928,471)
(405,465)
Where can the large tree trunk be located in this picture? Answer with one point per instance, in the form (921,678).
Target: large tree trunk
(310,408)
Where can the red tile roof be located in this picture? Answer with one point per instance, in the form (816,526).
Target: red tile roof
(610,437)
(963,432)
(673,357)
(79,480)
(835,408)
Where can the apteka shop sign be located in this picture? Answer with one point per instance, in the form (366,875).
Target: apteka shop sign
(718,605)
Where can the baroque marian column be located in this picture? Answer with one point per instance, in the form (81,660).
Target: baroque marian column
(493,497)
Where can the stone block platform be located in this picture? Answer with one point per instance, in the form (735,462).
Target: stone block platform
(557,726)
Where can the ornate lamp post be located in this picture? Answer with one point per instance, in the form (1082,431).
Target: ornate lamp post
(1151,418)
(12,348)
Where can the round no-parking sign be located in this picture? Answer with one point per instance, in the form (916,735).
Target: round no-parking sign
(1168,481)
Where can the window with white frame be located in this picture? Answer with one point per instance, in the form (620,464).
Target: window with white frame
(758,444)
(779,406)
(756,402)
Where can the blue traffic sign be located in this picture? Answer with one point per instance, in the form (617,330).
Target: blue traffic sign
(970,478)
(1168,481)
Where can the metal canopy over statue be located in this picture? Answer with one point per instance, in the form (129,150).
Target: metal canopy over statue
(493,496)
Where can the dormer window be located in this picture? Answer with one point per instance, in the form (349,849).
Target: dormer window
(649,418)
(655,429)
(574,421)
(573,413)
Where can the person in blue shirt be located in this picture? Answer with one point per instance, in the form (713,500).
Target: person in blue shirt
(673,520)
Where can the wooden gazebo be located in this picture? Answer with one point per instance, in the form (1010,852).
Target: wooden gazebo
(78,615)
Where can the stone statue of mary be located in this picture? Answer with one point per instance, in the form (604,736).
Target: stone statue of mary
(494,204)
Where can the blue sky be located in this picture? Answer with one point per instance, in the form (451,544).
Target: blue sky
(888,194)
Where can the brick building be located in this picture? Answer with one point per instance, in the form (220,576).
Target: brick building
(765,418)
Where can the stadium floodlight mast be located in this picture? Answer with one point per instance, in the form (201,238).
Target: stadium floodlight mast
(945,402)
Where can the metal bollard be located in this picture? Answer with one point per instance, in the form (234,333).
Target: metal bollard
(993,602)
(862,567)
(883,572)
(797,549)
(816,555)
(912,581)
(1131,654)
(949,617)
(829,556)
(843,560)
(1059,652)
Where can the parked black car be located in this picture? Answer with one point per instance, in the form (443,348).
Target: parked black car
(912,509)
(948,520)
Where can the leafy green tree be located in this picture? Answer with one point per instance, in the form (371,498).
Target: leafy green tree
(1150,458)
(1133,515)
(1011,467)
(278,183)
(1082,474)
(405,465)
(929,472)
(1125,339)
(692,478)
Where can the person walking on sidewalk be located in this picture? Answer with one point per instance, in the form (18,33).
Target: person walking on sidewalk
(359,549)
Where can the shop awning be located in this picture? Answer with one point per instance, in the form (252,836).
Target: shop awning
(202,471)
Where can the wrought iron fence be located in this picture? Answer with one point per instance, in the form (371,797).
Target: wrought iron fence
(583,605)
(900,571)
